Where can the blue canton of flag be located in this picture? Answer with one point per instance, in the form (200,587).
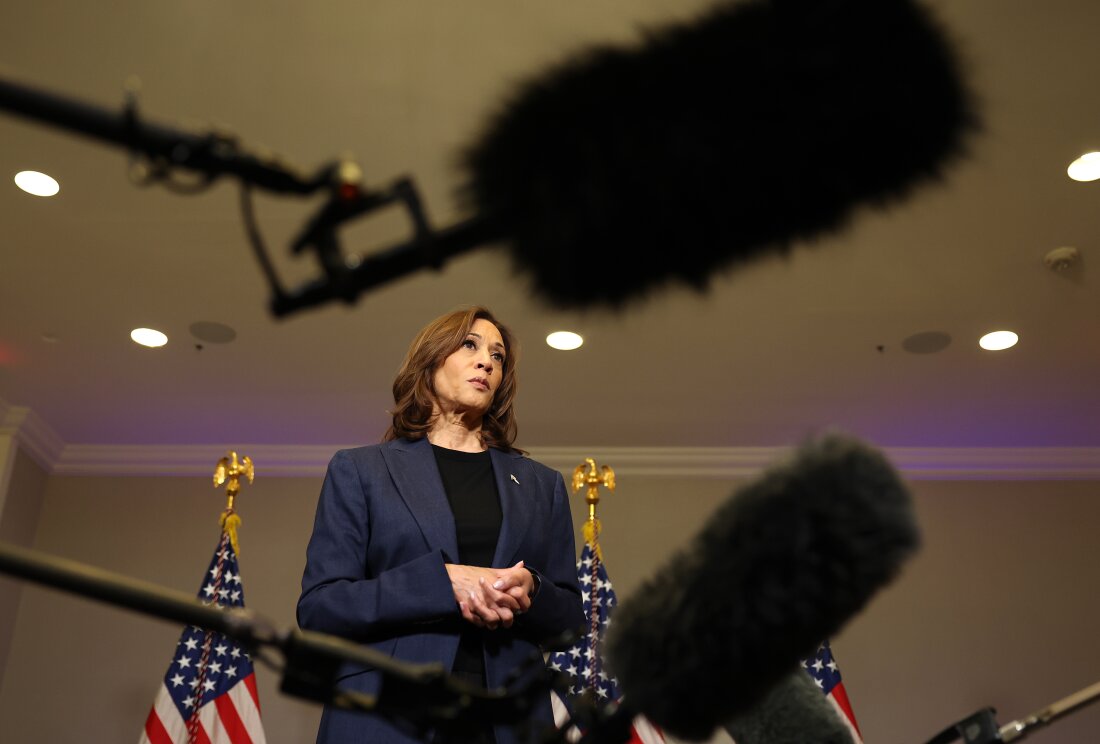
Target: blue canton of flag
(582,662)
(822,668)
(209,691)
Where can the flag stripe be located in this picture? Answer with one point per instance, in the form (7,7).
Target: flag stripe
(201,736)
(845,715)
(250,681)
(155,733)
(246,701)
(645,732)
(230,721)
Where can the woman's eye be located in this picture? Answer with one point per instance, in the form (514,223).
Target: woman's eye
(469,344)
(498,357)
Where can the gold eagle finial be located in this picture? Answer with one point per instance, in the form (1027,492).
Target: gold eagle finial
(230,469)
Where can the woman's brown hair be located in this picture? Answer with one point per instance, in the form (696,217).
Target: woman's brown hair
(414,395)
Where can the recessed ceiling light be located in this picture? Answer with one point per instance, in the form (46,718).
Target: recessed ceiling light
(564,340)
(998,340)
(1085,168)
(148,337)
(36,183)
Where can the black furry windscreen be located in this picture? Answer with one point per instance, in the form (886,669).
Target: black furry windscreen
(760,124)
(793,712)
(779,567)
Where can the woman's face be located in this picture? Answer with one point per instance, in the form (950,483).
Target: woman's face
(468,378)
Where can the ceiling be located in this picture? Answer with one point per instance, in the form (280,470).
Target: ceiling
(773,351)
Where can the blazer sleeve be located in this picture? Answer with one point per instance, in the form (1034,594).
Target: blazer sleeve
(340,595)
(556,607)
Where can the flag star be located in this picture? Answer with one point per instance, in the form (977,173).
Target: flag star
(586,579)
(223,593)
(188,701)
(555,666)
(191,644)
(177,680)
(214,572)
(216,668)
(819,683)
(584,596)
(207,686)
(194,683)
(231,672)
(575,652)
(235,653)
(220,649)
(235,595)
(818,666)
(208,590)
(184,662)
(237,579)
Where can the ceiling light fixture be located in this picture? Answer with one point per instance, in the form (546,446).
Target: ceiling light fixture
(564,340)
(1085,168)
(998,340)
(36,183)
(148,337)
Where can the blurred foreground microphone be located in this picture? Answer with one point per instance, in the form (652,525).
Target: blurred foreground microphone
(761,123)
(781,566)
(793,712)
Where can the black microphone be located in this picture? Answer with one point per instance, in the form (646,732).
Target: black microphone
(779,567)
(759,124)
(792,712)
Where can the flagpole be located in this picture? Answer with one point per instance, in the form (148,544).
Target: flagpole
(229,471)
(592,479)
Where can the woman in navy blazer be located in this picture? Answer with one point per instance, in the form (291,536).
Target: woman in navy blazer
(383,565)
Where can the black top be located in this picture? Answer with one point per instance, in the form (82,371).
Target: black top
(472,492)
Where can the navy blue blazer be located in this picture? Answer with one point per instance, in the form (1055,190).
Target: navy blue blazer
(375,569)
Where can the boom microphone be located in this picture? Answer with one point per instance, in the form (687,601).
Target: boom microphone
(779,567)
(710,142)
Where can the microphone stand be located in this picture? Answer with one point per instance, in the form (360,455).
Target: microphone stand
(981,727)
(213,154)
(416,697)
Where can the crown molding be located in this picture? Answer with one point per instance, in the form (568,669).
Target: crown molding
(56,457)
(35,437)
(915,463)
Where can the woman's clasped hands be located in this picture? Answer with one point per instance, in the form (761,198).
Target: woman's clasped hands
(491,597)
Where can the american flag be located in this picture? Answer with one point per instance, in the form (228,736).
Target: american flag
(208,695)
(582,662)
(823,669)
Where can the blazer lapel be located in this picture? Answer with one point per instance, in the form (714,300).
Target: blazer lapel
(414,471)
(514,486)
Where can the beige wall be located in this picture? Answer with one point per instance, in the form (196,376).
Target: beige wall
(20,505)
(999,609)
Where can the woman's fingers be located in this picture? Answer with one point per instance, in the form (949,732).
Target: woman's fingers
(469,616)
(500,600)
(487,614)
(490,598)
